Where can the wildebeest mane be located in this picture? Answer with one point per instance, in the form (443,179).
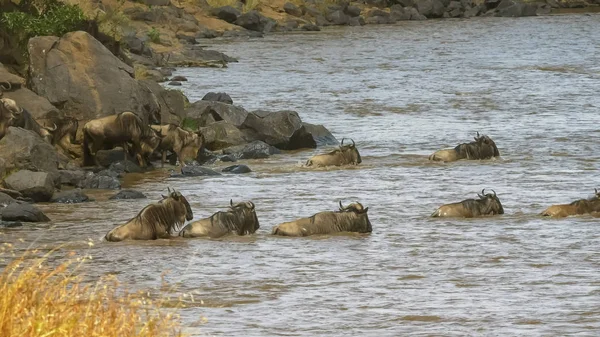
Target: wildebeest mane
(159,217)
(478,149)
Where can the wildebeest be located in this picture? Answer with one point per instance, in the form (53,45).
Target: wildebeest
(240,219)
(352,218)
(345,155)
(115,130)
(482,148)
(154,221)
(178,140)
(577,207)
(487,204)
(65,135)
(7,107)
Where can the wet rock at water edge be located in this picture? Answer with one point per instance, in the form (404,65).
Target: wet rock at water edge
(255,150)
(125,166)
(128,195)
(237,169)
(218,97)
(310,27)
(70,197)
(25,149)
(175,83)
(6,199)
(23,212)
(253,20)
(38,186)
(282,129)
(71,177)
(320,134)
(179,78)
(196,171)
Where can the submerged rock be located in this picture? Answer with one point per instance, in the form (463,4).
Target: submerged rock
(70,197)
(196,171)
(218,97)
(102,180)
(254,150)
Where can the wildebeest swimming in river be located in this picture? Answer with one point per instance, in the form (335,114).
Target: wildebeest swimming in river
(240,219)
(577,207)
(482,148)
(345,155)
(178,140)
(115,130)
(154,221)
(487,204)
(352,218)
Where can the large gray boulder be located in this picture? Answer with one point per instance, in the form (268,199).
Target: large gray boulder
(292,9)
(320,134)
(172,103)
(39,186)
(222,134)
(25,150)
(6,199)
(105,179)
(23,212)
(205,112)
(226,13)
(255,21)
(282,129)
(218,97)
(71,177)
(64,69)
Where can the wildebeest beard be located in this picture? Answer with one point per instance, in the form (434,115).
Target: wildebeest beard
(482,148)
(238,219)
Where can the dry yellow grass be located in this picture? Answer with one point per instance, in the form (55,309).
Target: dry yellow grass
(37,300)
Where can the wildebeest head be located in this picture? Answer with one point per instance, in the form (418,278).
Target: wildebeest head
(482,148)
(344,155)
(176,195)
(247,219)
(491,203)
(65,128)
(359,211)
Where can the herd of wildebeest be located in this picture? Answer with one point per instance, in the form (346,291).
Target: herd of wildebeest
(163,218)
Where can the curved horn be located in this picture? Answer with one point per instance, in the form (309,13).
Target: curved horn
(52,129)
(353,143)
(342,208)
(169,189)
(494,192)
(595,191)
(6,88)
(342,143)
(231,202)
(252,204)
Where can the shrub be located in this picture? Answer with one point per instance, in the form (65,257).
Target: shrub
(39,300)
(154,35)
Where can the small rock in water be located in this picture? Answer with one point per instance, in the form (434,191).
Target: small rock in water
(237,169)
(175,83)
(23,212)
(10,224)
(196,171)
(179,78)
(128,194)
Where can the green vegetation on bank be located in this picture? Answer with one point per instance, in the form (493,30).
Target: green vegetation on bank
(42,17)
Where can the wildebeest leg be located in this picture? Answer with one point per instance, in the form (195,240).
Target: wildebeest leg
(125,150)
(180,158)
(164,158)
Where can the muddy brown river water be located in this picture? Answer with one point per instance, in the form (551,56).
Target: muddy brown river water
(401,92)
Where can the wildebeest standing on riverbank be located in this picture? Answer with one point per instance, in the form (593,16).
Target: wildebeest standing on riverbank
(482,148)
(240,219)
(65,135)
(577,207)
(154,221)
(178,140)
(115,130)
(8,108)
(352,218)
(345,155)
(487,204)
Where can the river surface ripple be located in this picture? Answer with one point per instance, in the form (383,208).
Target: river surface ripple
(402,92)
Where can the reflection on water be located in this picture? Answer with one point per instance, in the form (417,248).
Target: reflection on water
(401,92)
